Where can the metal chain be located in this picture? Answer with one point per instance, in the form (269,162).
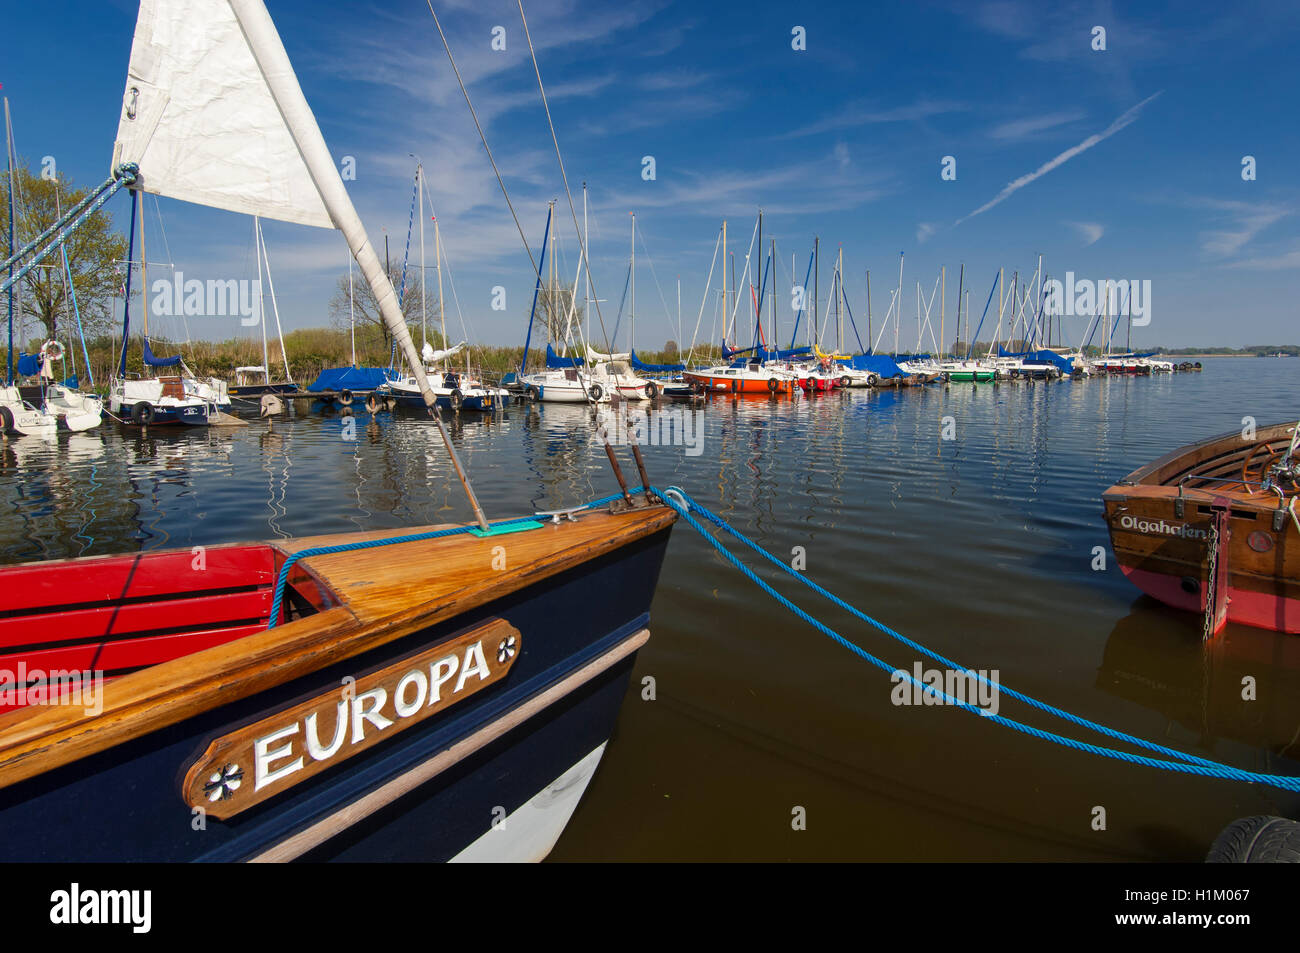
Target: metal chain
(1212,559)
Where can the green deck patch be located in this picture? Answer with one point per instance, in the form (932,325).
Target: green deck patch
(508,528)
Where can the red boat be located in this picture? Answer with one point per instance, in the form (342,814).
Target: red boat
(753,378)
(1213,528)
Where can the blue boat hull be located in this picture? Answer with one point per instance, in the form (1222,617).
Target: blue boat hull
(124,804)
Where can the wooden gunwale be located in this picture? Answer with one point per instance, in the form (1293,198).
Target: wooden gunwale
(1175,464)
(377,605)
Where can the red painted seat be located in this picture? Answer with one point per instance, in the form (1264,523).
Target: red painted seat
(114,614)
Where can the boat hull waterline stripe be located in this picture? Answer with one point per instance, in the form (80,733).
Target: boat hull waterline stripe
(678,500)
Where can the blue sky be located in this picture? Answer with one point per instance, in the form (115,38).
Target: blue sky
(843,140)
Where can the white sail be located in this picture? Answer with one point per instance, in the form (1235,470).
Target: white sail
(432,357)
(200,120)
(595,357)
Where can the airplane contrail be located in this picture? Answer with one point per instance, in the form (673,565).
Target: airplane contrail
(1064,157)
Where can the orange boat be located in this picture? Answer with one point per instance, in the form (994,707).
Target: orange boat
(752,378)
(1213,528)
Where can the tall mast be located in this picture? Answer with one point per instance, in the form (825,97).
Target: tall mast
(261,298)
(758,318)
(943,303)
(839,293)
(586,260)
(424,299)
(352,312)
(725,312)
(898,317)
(961,280)
(442,307)
(775,339)
(997,335)
(9,164)
(817,274)
(144,277)
(871,337)
(275,309)
(633,279)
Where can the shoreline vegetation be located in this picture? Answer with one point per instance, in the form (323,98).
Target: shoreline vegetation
(313,349)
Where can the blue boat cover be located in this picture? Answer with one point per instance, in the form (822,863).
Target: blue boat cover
(1043,356)
(29,365)
(877,364)
(152,361)
(554,361)
(349,378)
(728,352)
(655,368)
(71,382)
(778,355)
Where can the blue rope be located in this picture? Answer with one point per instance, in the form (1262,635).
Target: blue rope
(1187,763)
(283,578)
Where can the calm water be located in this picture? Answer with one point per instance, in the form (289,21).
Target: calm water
(979,547)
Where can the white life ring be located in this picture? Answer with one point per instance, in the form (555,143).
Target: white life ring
(52,350)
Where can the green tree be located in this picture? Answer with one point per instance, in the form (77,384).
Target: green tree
(95,256)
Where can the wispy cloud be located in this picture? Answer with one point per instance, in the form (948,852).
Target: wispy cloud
(1127,118)
(1244,220)
(924,231)
(1090,232)
(1018,129)
(862,114)
(1282,262)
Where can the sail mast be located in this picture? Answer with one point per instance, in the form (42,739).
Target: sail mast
(9,292)
(442,307)
(144,276)
(273,62)
(633,277)
(261,299)
(275,310)
(424,298)
(943,303)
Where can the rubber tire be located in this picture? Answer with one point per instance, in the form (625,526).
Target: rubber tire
(531,393)
(651,390)
(844,382)
(142,413)
(372,403)
(6,420)
(456,398)
(596,392)
(1257,840)
(345,398)
(773,385)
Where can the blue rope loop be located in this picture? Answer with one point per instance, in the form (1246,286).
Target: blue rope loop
(289,563)
(680,501)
